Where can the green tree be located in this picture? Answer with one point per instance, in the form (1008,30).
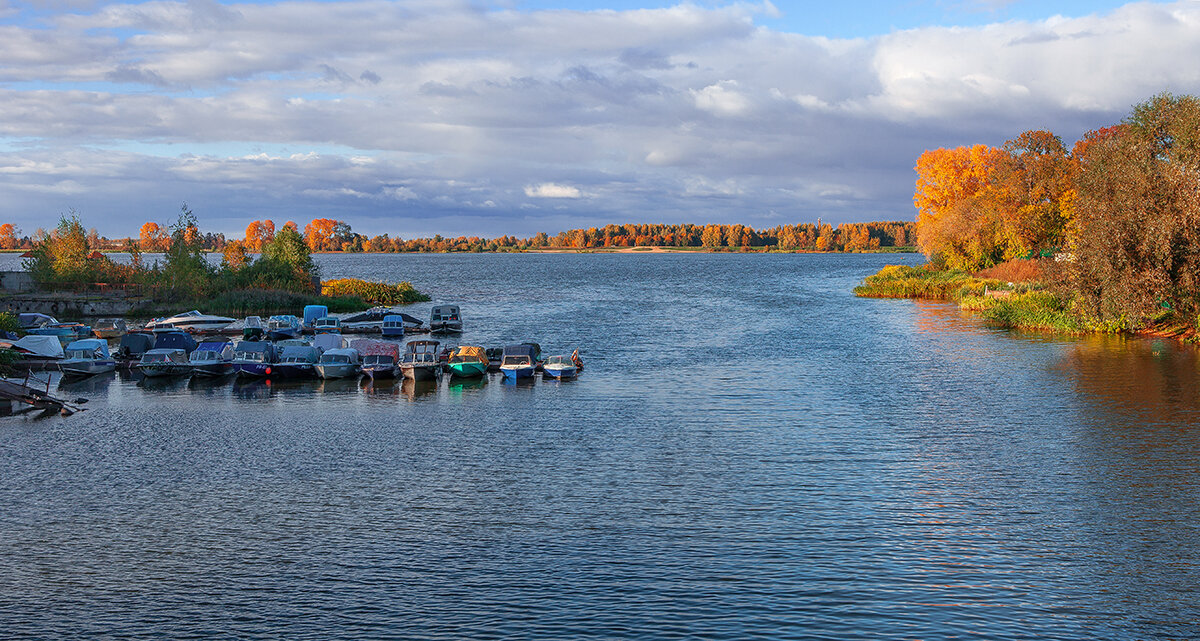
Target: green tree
(61,259)
(289,250)
(186,273)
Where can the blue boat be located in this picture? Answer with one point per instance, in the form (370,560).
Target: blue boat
(393,326)
(520,361)
(296,361)
(254,359)
(327,325)
(313,312)
(65,332)
(284,327)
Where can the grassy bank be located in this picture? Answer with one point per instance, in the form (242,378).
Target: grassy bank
(340,296)
(1017,305)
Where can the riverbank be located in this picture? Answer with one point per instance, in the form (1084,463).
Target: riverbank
(1014,303)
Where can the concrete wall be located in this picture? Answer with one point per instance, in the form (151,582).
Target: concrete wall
(17,282)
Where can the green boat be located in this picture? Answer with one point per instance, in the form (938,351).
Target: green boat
(468,362)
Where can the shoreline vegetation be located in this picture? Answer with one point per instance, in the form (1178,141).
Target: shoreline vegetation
(1102,238)
(282,279)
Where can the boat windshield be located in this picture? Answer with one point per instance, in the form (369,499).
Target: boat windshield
(253,357)
(422,358)
(83,353)
(203,355)
(516,360)
(328,359)
(156,358)
(296,359)
(378,359)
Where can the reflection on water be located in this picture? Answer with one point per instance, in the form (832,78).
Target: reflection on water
(751,453)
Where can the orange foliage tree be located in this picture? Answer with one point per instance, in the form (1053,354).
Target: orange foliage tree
(259,233)
(154,238)
(318,234)
(8,236)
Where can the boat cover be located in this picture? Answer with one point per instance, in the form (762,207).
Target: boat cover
(40,346)
(532,350)
(94,345)
(30,320)
(313,312)
(468,353)
(326,342)
(371,347)
(256,347)
(135,344)
(223,349)
(175,340)
(305,353)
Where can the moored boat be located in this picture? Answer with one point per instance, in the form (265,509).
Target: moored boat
(164,362)
(254,359)
(252,329)
(284,327)
(64,332)
(296,362)
(520,361)
(396,325)
(133,345)
(327,325)
(174,338)
(420,360)
(109,328)
(560,366)
(380,359)
(193,321)
(467,361)
(342,362)
(312,313)
(87,356)
(212,359)
(445,319)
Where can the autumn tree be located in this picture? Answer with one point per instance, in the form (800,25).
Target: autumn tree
(959,213)
(258,233)
(153,238)
(1136,238)
(319,234)
(234,256)
(9,235)
(61,258)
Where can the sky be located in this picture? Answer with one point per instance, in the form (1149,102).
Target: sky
(493,117)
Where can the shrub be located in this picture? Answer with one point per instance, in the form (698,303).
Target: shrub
(372,292)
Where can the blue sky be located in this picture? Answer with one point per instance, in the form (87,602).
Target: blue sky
(492,117)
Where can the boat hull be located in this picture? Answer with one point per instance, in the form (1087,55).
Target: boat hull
(514,373)
(338,370)
(419,372)
(381,372)
(213,370)
(445,328)
(293,371)
(87,367)
(164,370)
(467,370)
(559,372)
(254,370)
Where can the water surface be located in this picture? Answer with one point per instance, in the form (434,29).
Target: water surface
(751,452)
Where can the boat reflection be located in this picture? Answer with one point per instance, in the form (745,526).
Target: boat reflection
(86,384)
(412,390)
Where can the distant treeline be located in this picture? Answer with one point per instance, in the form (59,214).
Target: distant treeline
(325,234)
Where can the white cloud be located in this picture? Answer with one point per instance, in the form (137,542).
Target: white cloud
(722,99)
(552,190)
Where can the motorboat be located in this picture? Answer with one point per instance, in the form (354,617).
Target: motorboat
(445,319)
(174,338)
(327,325)
(252,329)
(193,321)
(396,325)
(520,361)
(380,358)
(134,344)
(312,313)
(342,362)
(162,362)
(370,319)
(494,356)
(64,332)
(254,359)
(87,356)
(296,361)
(33,320)
(420,361)
(110,328)
(467,361)
(284,327)
(560,366)
(212,359)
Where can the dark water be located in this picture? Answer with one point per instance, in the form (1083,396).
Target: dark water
(752,452)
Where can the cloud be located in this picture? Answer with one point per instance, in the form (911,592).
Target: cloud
(399,114)
(552,190)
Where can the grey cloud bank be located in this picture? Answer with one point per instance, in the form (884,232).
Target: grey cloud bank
(415,118)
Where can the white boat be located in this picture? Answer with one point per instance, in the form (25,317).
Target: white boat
(193,321)
(164,362)
(327,325)
(420,360)
(109,328)
(88,356)
(339,363)
(284,327)
(445,319)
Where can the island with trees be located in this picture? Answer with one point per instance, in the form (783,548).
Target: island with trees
(1102,237)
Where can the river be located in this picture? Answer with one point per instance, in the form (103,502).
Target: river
(752,452)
